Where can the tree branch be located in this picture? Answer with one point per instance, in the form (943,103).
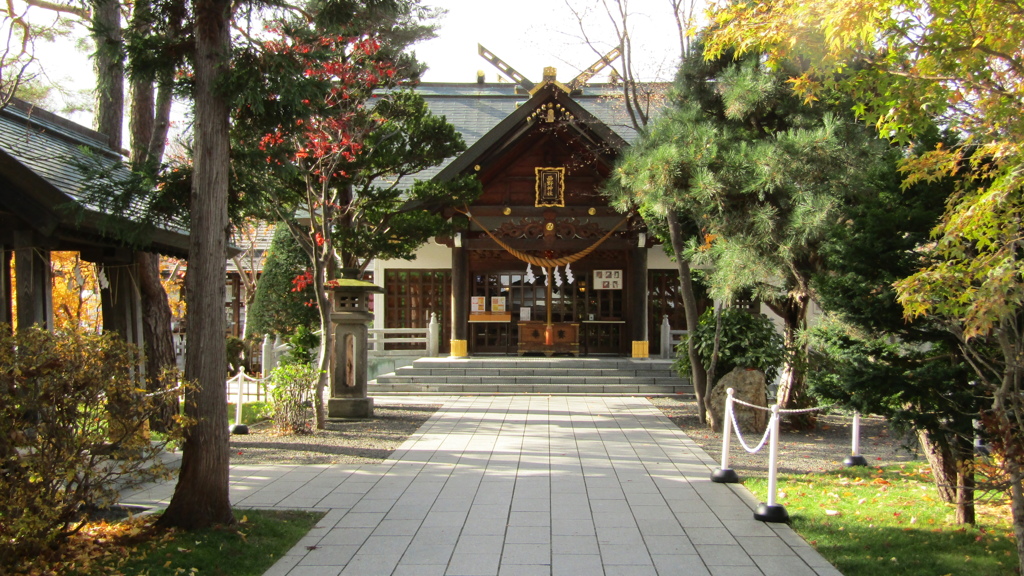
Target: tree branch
(83,13)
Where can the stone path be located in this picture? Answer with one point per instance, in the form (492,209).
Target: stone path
(524,485)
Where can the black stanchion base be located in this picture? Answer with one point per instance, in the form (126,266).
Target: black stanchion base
(776,513)
(725,476)
(857,460)
(239,429)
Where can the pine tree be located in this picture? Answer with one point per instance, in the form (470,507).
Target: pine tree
(759,176)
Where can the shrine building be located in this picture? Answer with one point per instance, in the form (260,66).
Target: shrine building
(541,263)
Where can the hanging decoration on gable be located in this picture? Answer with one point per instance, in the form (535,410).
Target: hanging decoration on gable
(537,260)
(550,187)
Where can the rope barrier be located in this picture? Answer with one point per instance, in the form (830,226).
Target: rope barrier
(739,435)
(738,401)
(162,392)
(252,378)
(239,427)
(806,410)
(768,511)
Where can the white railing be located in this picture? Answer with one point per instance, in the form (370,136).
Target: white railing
(669,338)
(424,340)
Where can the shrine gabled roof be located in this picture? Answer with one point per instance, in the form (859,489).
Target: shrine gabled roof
(42,181)
(471,113)
(486,113)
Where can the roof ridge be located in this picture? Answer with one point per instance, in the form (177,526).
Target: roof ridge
(35,116)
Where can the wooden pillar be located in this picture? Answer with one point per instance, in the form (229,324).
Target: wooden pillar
(34,289)
(460,302)
(638,302)
(6,297)
(121,301)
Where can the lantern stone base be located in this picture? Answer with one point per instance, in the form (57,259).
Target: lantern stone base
(350,408)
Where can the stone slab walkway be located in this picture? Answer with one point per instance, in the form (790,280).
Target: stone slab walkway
(524,485)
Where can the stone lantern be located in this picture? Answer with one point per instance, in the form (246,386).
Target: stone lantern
(350,315)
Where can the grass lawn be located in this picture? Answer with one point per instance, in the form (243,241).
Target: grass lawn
(871,521)
(251,412)
(248,549)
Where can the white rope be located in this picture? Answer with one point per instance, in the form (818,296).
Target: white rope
(161,392)
(794,411)
(807,410)
(739,435)
(738,401)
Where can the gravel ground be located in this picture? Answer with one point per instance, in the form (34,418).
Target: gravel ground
(368,441)
(372,441)
(800,452)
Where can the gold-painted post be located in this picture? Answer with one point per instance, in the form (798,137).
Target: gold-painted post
(549,335)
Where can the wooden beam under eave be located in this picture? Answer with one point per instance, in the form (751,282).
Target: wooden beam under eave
(575,245)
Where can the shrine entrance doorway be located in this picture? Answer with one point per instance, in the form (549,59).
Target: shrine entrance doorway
(508,313)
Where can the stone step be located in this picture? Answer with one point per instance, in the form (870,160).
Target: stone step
(515,378)
(437,388)
(516,375)
(541,363)
(415,372)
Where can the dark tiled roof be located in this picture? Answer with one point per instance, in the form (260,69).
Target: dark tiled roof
(252,240)
(42,142)
(38,148)
(475,109)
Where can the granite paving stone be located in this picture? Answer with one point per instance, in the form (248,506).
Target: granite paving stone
(523,485)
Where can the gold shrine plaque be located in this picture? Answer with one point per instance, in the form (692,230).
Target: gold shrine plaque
(550,187)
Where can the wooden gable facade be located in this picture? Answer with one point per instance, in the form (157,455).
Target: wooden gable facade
(541,170)
(541,217)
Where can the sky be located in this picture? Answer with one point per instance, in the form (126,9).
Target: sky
(527,34)
(532,34)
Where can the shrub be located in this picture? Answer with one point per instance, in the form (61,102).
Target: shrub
(747,341)
(304,346)
(73,432)
(292,397)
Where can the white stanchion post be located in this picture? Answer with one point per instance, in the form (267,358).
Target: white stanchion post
(770,511)
(239,427)
(726,475)
(855,459)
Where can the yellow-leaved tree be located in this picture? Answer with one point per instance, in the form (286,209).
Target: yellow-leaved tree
(76,292)
(909,64)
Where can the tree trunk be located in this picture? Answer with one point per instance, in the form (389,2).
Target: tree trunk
(106,30)
(156,311)
(943,465)
(201,496)
(965,484)
(792,393)
(320,271)
(141,123)
(156,332)
(697,374)
(1017,512)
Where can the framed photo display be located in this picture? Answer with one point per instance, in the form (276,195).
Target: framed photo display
(607,280)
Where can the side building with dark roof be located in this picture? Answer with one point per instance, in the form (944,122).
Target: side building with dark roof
(541,263)
(44,208)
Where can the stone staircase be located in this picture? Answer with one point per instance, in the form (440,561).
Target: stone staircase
(514,375)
